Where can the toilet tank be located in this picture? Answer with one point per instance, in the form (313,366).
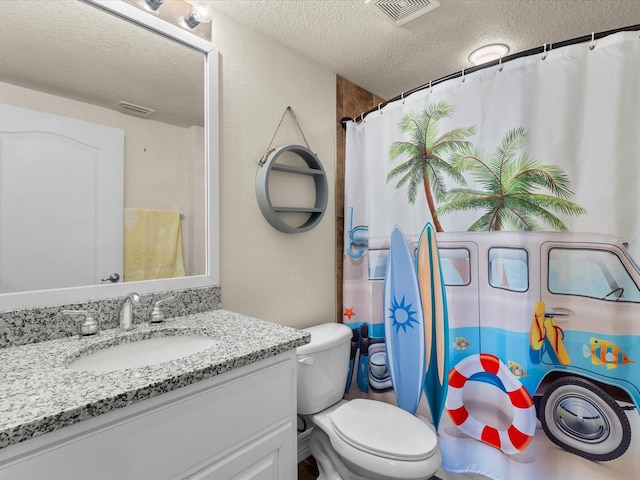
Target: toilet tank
(323,365)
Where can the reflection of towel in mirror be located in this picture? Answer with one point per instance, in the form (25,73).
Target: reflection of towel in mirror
(152,244)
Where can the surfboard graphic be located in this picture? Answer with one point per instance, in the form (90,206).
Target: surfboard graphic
(434,304)
(403,324)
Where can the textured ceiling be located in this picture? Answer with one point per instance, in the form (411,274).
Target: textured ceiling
(68,48)
(74,50)
(350,38)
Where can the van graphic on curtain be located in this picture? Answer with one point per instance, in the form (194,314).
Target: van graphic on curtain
(574,360)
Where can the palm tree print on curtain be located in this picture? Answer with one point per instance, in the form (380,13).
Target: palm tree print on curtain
(426,153)
(511,184)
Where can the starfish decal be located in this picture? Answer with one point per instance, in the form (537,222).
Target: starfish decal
(348,312)
(402,315)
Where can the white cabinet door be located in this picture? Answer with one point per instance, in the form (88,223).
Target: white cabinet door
(267,458)
(61,201)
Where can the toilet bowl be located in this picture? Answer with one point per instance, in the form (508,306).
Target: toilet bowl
(358,439)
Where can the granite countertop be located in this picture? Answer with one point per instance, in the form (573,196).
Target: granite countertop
(39,394)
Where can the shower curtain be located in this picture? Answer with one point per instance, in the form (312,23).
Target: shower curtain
(491,227)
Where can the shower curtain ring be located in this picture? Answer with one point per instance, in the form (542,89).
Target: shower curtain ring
(402,97)
(544,51)
(430,87)
(593,41)
(463,75)
(500,67)
(379,108)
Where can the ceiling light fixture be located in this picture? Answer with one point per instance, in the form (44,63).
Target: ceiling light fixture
(488,53)
(192,15)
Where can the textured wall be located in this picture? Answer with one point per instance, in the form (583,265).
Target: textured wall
(285,278)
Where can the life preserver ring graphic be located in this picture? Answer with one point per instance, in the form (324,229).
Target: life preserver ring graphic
(519,434)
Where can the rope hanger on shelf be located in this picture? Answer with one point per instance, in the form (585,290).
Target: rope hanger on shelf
(269,150)
(312,168)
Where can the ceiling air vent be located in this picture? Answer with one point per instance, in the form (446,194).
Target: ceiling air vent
(136,110)
(400,12)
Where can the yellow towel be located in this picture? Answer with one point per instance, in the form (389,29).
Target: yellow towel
(152,244)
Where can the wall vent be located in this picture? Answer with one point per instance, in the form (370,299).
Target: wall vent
(400,12)
(136,110)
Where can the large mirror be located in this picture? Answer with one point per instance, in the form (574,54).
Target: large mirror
(108,121)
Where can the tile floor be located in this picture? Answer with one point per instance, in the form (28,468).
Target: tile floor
(307,469)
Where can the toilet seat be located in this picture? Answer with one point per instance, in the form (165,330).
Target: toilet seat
(383,430)
(364,459)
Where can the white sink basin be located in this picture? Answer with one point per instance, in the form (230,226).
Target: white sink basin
(142,353)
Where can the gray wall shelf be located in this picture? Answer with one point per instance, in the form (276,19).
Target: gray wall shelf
(314,168)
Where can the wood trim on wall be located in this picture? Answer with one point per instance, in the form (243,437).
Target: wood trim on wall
(351,101)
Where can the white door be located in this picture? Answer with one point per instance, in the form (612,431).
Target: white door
(61,201)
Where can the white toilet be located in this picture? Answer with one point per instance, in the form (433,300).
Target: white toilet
(362,438)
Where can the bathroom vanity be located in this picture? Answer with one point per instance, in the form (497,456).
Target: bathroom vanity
(225,411)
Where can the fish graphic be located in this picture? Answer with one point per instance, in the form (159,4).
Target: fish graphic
(461,343)
(604,352)
(516,369)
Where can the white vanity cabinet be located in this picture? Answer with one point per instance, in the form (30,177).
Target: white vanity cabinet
(239,424)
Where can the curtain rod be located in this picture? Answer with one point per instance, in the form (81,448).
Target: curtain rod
(508,58)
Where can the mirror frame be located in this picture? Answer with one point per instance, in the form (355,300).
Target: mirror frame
(62,296)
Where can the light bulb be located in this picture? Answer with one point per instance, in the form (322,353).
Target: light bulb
(154,4)
(200,13)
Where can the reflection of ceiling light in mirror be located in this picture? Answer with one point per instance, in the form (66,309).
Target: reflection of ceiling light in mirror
(192,15)
(154,4)
(200,13)
(488,53)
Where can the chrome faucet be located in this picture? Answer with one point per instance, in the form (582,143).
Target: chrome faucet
(126,312)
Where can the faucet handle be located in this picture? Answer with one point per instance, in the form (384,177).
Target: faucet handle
(157,315)
(87,324)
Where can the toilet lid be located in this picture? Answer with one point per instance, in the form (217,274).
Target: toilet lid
(383,430)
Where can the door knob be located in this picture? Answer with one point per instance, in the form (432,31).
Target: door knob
(113,278)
